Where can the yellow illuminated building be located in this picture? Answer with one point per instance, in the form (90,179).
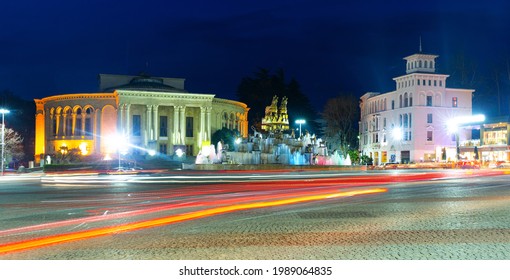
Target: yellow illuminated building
(149,113)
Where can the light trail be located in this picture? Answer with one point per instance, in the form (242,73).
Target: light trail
(56,239)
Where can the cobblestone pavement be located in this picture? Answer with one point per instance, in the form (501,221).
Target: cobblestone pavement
(397,225)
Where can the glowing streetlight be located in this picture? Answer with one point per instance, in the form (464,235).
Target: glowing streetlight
(397,133)
(300,122)
(3,112)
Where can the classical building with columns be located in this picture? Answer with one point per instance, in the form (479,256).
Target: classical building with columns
(149,113)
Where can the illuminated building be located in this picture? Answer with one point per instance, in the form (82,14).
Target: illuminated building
(409,124)
(494,139)
(150,113)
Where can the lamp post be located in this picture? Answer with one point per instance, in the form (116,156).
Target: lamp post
(300,122)
(3,112)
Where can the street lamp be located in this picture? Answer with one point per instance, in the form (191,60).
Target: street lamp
(3,112)
(300,122)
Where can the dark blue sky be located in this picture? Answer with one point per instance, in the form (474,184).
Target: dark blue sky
(329,47)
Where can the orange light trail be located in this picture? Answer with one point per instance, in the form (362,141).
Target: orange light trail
(56,239)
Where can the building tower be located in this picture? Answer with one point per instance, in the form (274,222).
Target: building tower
(409,124)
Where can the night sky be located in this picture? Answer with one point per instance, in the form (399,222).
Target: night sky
(329,47)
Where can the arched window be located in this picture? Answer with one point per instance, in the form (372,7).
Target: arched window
(78,123)
(410,99)
(406,100)
(400,99)
(88,122)
(68,122)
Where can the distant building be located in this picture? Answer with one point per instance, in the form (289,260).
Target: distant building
(410,124)
(148,112)
(494,139)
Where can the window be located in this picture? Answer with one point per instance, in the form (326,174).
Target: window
(440,83)
(430,82)
(137,122)
(410,100)
(429,118)
(163,127)
(189,126)
(162,149)
(429,100)
(400,101)
(418,82)
(429,135)
(454,102)
(392,104)
(69,126)
(88,122)
(384,123)
(55,126)
(406,100)
(406,120)
(435,83)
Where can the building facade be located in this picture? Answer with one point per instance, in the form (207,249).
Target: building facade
(494,139)
(148,113)
(411,123)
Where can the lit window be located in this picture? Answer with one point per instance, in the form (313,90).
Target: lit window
(454,102)
(429,135)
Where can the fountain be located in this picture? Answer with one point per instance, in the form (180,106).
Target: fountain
(274,147)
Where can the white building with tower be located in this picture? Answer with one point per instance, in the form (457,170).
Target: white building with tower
(411,123)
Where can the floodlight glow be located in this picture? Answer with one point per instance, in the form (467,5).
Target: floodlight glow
(397,133)
(152,153)
(300,122)
(83,148)
(179,152)
(238,140)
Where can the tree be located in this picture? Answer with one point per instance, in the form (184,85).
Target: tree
(13,147)
(341,115)
(22,117)
(257,92)
(226,136)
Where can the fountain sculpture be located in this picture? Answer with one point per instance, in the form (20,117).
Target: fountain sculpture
(275,147)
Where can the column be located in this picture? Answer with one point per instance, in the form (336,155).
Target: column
(96,131)
(182,119)
(202,136)
(64,121)
(127,126)
(83,120)
(156,122)
(120,120)
(175,130)
(208,124)
(57,124)
(148,126)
